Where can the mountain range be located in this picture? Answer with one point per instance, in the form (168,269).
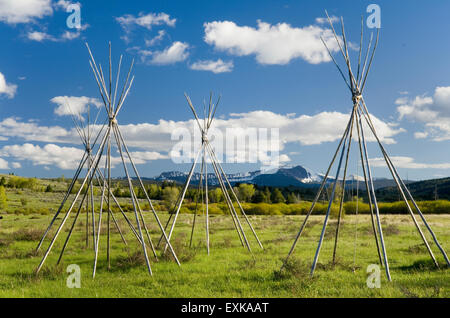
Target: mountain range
(296,176)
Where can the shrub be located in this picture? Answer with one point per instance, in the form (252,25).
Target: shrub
(437,207)
(216,195)
(134,259)
(294,267)
(259,208)
(170,196)
(245,192)
(393,207)
(43,211)
(183,251)
(214,209)
(350,207)
(321,208)
(159,207)
(3,198)
(22,183)
(263,208)
(184,209)
(298,208)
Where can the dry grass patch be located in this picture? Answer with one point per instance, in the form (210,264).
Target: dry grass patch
(27,234)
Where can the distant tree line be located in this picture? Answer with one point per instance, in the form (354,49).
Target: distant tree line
(255,199)
(18,182)
(169,191)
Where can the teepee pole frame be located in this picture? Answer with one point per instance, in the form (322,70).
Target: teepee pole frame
(206,152)
(356,86)
(111,134)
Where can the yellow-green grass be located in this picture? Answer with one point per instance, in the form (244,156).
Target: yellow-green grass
(230,270)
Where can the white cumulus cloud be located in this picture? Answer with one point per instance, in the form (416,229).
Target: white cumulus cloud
(216,67)
(408,163)
(39,36)
(24,11)
(307,129)
(64,4)
(155,141)
(303,129)
(146,20)
(271,44)
(68,105)
(324,20)
(16,165)
(156,39)
(3,164)
(66,158)
(177,52)
(32,131)
(67,35)
(50,154)
(431,111)
(141,157)
(6,88)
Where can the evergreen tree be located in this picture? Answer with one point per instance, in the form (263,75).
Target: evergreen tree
(260,197)
(141,193)
(337,192)
(166,183)
(267,194)
(292,198)
(154,191)
(277,196)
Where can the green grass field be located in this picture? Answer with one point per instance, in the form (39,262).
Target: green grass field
(230,270)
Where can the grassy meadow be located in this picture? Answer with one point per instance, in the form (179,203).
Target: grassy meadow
(230,270)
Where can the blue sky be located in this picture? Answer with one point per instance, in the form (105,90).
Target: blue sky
(264,81)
